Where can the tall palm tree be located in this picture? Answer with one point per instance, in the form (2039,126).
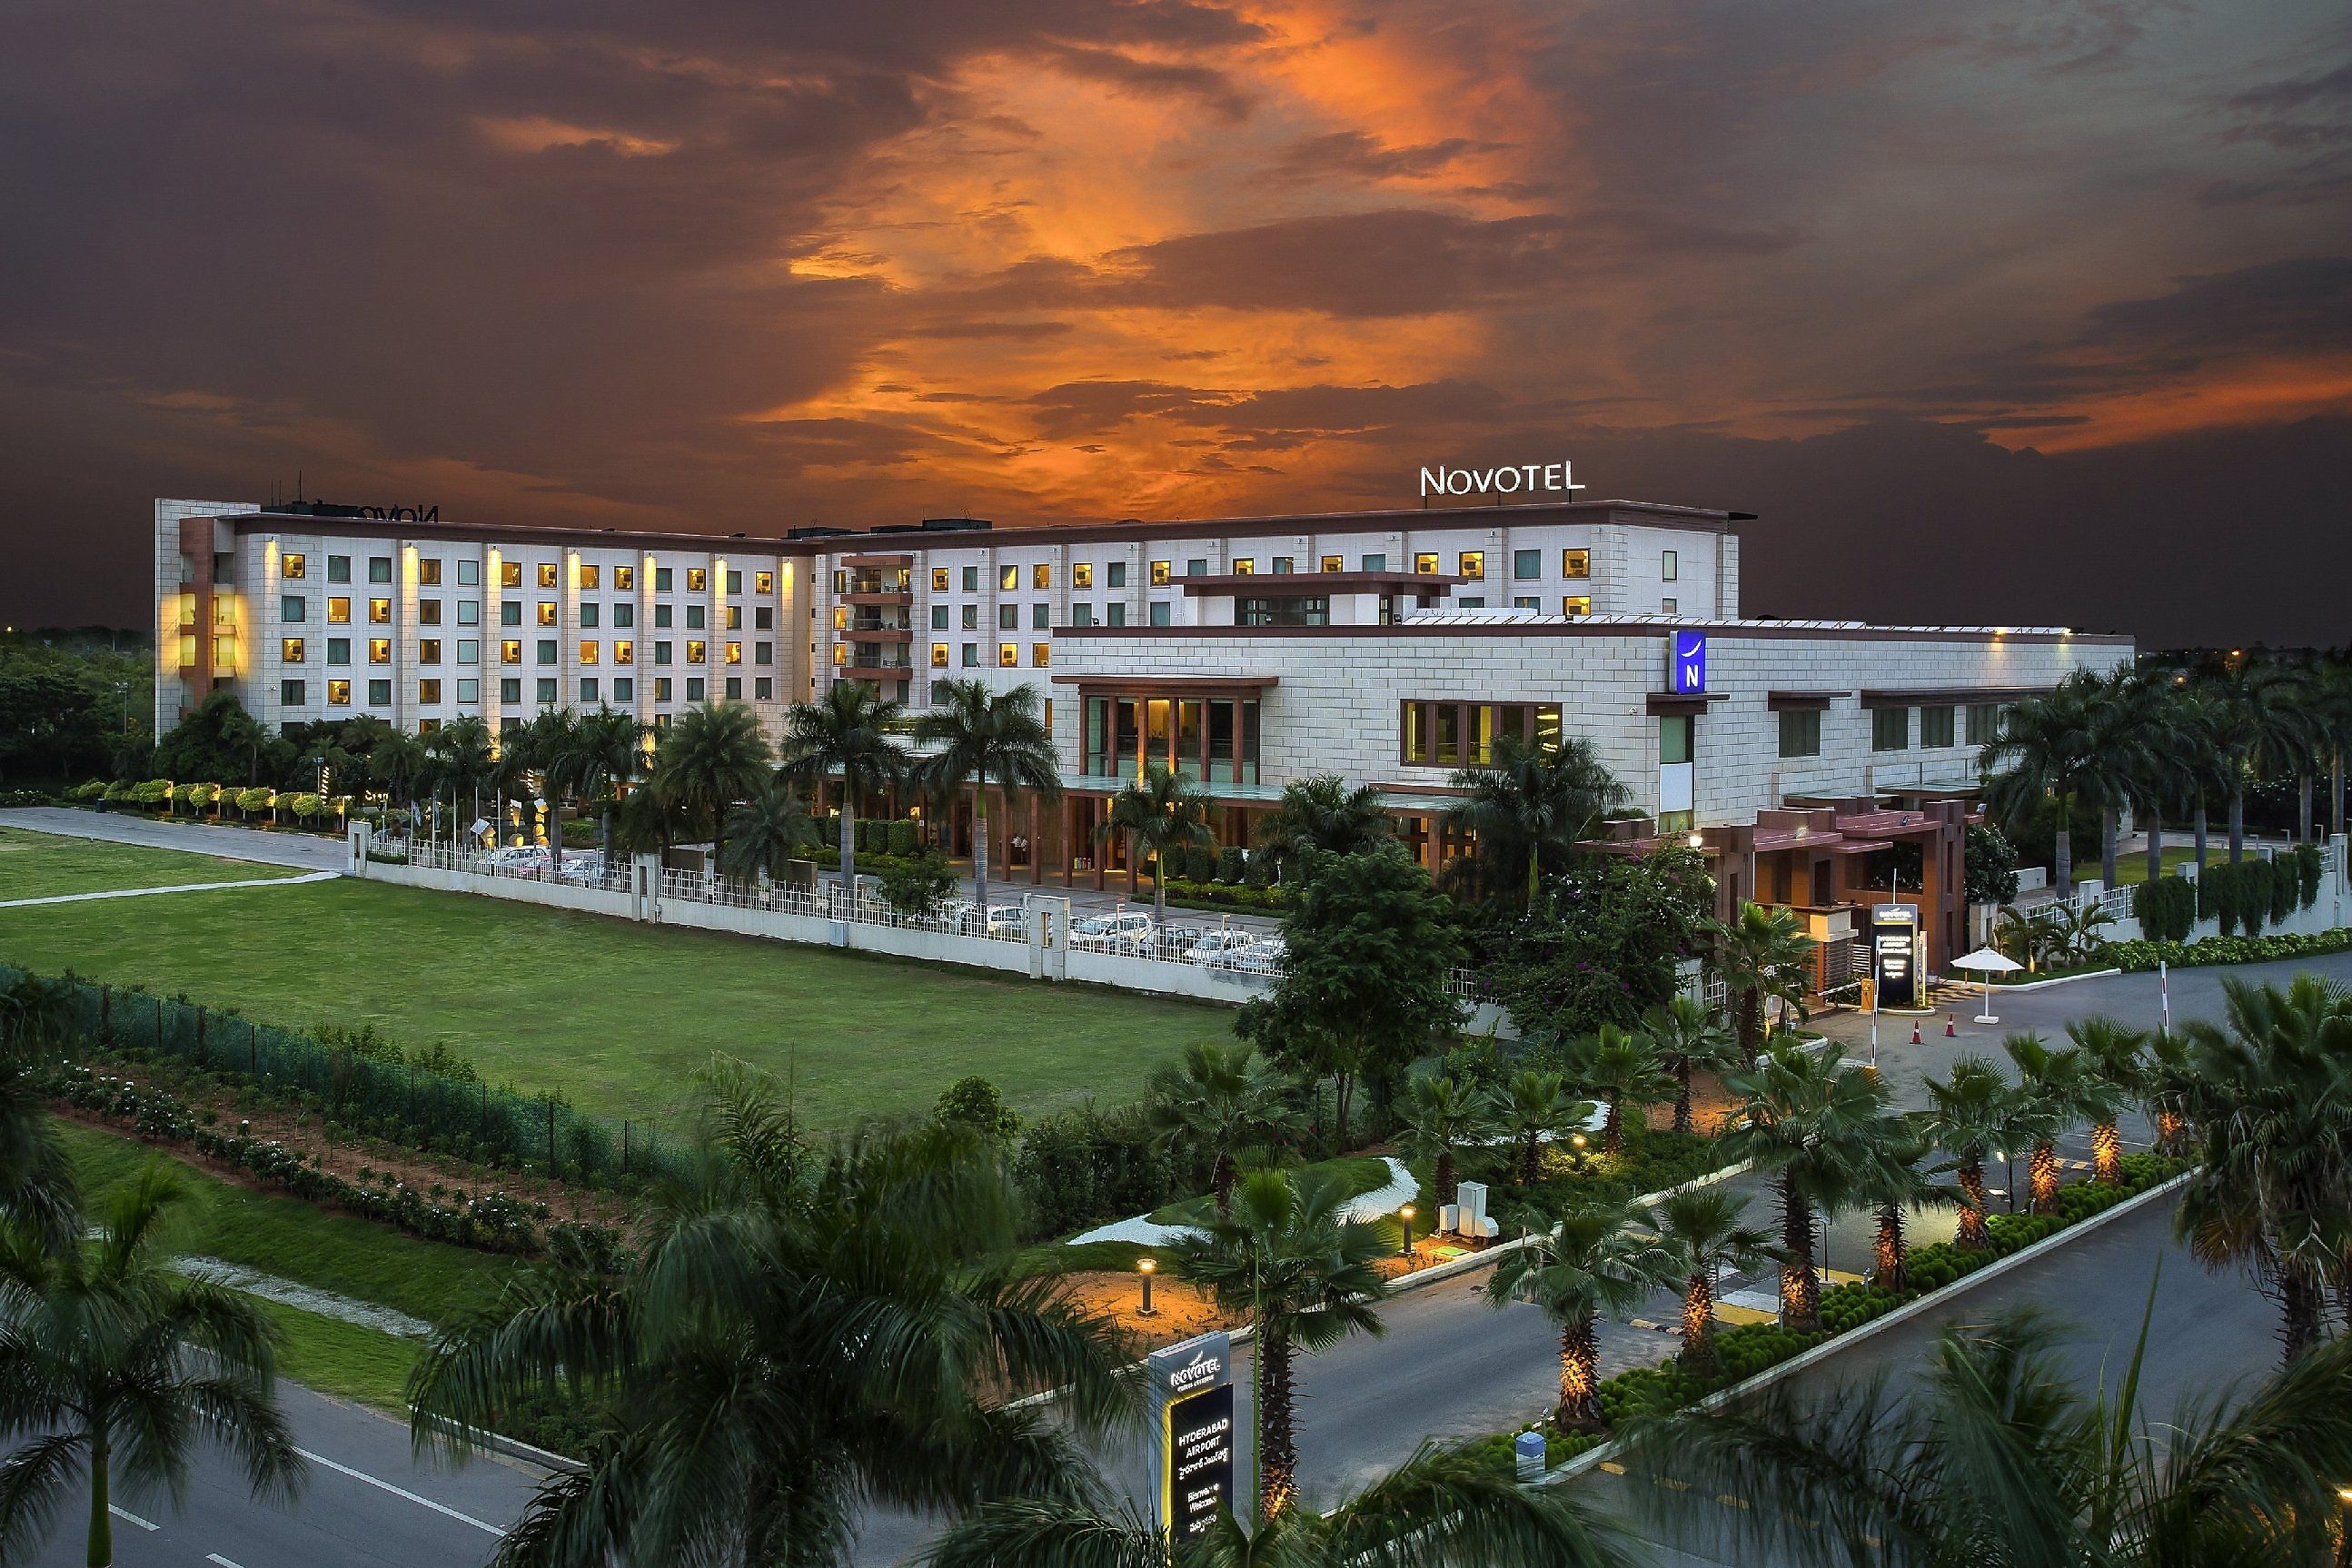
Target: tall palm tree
(601,753)
(1763,956)
(1617,1065)
(1323,815)
(397,763)
(1530,807)
(1306,1278)
(1162,812)
(1891,1185)
(1817,1124)
(2330,714)
(2124,734)
(38,1193)
(2263,730)
(2062,1088)
(543,744)
(1974,1115)
(768,832)
(710,757)
(1438,1509)
(1687,1036)
(2042,752)
(1998,1453)
(769,1369)
(2118,1054)
(1222,1098)
(1535,1106)
(1440,1115)
(463,762)
(112,1364)
(1596,1259)
(1703,1230)
(852,730)
(984,738)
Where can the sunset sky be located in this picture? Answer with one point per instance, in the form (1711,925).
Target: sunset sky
(2059,294)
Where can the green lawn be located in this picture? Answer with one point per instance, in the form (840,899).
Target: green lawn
(343,1359)
(617,1015)
(42,865)
(2131,869)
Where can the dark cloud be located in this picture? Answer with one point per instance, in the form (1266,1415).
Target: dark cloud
(1358,154)
(1206,84)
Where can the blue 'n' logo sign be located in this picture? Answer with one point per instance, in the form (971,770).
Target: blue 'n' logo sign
(1689,673)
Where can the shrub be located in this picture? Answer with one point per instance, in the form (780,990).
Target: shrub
(257,798)
(919,886)
(1078,1167)
(2134,956)
(2166,908)
(122,790)
(96,789)
(154,792)
(1259,870)
(2286,888)
(975,1102)
(2307,869)
(1229,863)
(903,838)
(1200,863)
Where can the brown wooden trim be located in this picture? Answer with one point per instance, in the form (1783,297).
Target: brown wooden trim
(1781,700)
(1162,686)
(1320,585)
(1665,702)
(1951,696)
(854,561)
(1580,627)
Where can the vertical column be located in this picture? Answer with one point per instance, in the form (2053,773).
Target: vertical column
(567,633)
(720,635)
(493,633)
(403,633)
(643,680)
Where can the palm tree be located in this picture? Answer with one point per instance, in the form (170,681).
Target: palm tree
(1999,1454)
(110,1362)
(2330,714)
(37,1180)
(1438,1508)
(545,742)
(464,762)
(851,731)
(1220,1098)
(1535,1106)
(1685,1035)
(1702,1231)
(1161,812)
(984,738)
(397,763)
(1306,1278)
(1763,954)
(2125,729)
(1974,1115)
(1893,1185)
(601,753)
(2118,1056)
(1440,1115)
(1616,1065)
(710,757)
(2061,1088)
(1817,1124)
(2042,752)
(767,1369)
(1595,1259)
(2261,729)
(1323,815)
(767,833)
(1532,804)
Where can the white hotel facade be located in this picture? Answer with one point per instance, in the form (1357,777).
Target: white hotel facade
(1389,647)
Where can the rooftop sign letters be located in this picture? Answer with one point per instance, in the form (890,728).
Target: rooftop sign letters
(1509,479)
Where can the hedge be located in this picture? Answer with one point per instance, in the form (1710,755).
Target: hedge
(1224,896)
(2136,956)
(2166,908)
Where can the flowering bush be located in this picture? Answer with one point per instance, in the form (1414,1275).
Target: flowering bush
(2131,956)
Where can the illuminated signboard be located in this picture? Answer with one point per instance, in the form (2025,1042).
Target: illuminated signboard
(1894,954)
(1502,479)
(1687,664)
(1192,1383)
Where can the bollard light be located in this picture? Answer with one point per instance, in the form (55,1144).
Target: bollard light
(1405,1215)
(1145,1268)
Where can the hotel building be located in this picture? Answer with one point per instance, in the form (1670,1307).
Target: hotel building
(1389,647)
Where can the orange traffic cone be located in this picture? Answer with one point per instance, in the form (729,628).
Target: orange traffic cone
(1949,1031)
(1914,1031)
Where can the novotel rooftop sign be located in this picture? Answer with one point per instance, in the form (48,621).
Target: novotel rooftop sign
(1507,478)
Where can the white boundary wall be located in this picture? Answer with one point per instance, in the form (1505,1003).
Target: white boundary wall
(2330,910)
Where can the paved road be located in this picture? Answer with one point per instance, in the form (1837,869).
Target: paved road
(304,850)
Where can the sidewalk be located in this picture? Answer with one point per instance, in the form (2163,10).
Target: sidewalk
(301,850)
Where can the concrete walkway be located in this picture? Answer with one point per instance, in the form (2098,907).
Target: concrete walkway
(303,851)
(287,1292)
(175,888)
(1146,1232)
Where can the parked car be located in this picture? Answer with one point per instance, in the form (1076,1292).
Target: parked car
(1008,920)
(1218,947)
(1122,933)
(1265,956)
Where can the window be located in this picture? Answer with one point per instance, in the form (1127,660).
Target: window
(1984,723)
(734,617)
(1529,603)
(379,612)
(428,651)
(624,652)
(339,568)
(549,612)
(1244,567)
(939,656)
(547,689)
(294,565)
(734,689)
(339,693)
(1118,614)
(1041,616)
(698,580)
(1377,561)
(624,580)
(470,689)
(428,691)
(1670,565)
(292,608)
(428,572)
(470,576)
(1576,604)
(695,687)
(938,618)
(379,568)
(1160,573)
(763,583)
(339,612)
(510,612)
(763,652)
(510,651)
(1082,574)
(734,653)
(1674,738)
(428,612)
(550,575)
(662,579)
(510,576)
(661,688)
(1575,563)
(1335,564)
(764,688)
(588,689)
(290,693)
(939,579)
(1159,612)
(1463,734)
(1471,563)
(545,651)
(734,580)
(972,579)
(697,652)
(1115,575)
(1082,614)
(1008,654)
(1800,731)
(1282,564)
(338,650)
(1041,577)
(663,614)
(1282,612)
(1041,654)
(625,688)
(697,619)
(588,652)
(1670,607)
(509,689)
(379,650)
(1008,617)
(625,615)
(1890,729)
(971,655)
(1936,725)
(1472,602)
(379,694)
(290,651)
(469,611)
(469,651)
(662,652)
(1196,568)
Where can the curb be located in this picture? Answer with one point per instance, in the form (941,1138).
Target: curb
(1593,1457)
(2024,986)
(511,1448)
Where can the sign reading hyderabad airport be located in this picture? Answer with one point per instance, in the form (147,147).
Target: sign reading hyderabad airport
(1505,479)
(1193,1385)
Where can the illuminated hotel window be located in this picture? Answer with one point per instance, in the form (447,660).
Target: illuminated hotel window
(763,582)
(1244,567)
(939,579)
(698,579)
(339,612)
(624,652)
(1041,654)
(428,691)
(1335,564)
(428,572)
(428,651)
(1008,654)
(547,575)
(510,651)
(379,612)
(841,617)
(625,578)
(1082,574)
(1576,564)
(290,651)
(939,656)
(1463,734)
(588,653)
(379,650)
(339,693)
(291,694)
(294,565)
(1160,573)
(1473,564)
(1576,604)
(840,654)
(591,577)
(1425,564)
(549,612)
(1041,577)
(734,617)
(510,573)
(734,653)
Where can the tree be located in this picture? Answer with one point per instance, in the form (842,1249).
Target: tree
(852,730)
(601,753)
(1528,810)
(1306,1279)
(1817,1125)
(1603,941)
(1535,1106)
(38,1194)
(2121,741)
(1763,956)
(2042,751)
(1221,1098)
(2261,728)
(1438,1508)
(1369,951)
(984,738)
(219,740)
(1321,814)
(1440,1115)
(2118,1056)
(767,832)
(462,761)
(766,1369)
(1686,1038)
(2060,1089)
(1161,812)
(1594,1259)
(1989,866)
(1614,1066)
(1999,1454)
(1973,1114)
(112,1364)
(1893,1185)
(1702,1231)
(710,757)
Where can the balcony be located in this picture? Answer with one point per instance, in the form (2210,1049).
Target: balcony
(873,674)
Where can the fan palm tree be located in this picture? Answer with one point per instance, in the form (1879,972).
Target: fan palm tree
(767,1369)
(1440,1509)
(1321,814)
(1997,1453)
(599,755)
(1530,807)
(1975,1114)
(1595,1258)
(1306,1278)
(1763,954)
(2063,1088)
(768,832)
(710,757)
(2042,751)
(985,738)
(1817,1124)
(1162,812)
(2118,1055)
(1221,1097)
(1615,1067)
(1891,1185)
(852,730)
(1686,1035)
(2263,730)
(1440,1115)
(110,1363)
(1703,1230)
(1535,1106)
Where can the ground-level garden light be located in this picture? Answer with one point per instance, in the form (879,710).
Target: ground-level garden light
(1405,1215)
(1145,1266)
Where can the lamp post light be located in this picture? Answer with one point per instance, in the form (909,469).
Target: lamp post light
(1405,1215)
(1145,1266)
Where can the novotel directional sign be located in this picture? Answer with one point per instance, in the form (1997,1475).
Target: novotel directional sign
(1686,663)
(1193,1385)
(1503,479)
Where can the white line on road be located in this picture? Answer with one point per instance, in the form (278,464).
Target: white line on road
(180,888)
(216,1557)
(125,1513)
(399,1492)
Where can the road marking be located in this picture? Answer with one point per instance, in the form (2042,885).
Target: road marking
(398,1492)
(124,1513)
(216,1557)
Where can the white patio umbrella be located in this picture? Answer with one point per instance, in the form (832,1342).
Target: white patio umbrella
(1988,961)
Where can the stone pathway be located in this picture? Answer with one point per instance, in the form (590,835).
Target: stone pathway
(286,1292)
(1146,1232)
(175,888)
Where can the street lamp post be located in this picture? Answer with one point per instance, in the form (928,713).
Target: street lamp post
(1145,1266)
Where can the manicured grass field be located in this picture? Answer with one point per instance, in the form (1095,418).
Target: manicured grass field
(2131,867)
(42,865)
(620,1016)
